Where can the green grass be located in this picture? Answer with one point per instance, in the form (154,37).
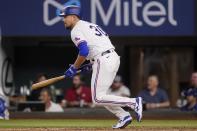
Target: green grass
(30,123)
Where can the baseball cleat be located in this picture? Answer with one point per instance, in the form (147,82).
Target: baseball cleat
(122,123)
(138,108)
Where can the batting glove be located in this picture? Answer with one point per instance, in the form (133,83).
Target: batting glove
(71,71)
(86,68)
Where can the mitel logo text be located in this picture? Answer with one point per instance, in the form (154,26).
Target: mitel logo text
(134,12)
(57,6)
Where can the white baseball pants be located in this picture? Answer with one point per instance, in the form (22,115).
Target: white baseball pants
(104,71)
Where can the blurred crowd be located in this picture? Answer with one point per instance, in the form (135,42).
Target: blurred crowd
(154,94)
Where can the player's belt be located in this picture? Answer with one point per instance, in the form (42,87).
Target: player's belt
(102,54)
(107,52)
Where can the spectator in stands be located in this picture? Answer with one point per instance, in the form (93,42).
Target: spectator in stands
(194,83)
(193,86)
(153,96)
(194,79)
(34,96)
(78,95)
(191,101)
(36,93)
(118,88)
(50,106)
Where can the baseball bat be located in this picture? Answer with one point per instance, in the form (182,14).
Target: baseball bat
(47,82)
(54,80)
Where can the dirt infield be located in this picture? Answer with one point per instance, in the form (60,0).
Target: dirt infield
(102,129)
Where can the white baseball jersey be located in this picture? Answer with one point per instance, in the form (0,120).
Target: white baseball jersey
(97,40)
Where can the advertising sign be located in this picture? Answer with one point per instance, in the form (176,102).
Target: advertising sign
(117,17)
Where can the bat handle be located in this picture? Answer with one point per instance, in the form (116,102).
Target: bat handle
(78,71)
(61,77)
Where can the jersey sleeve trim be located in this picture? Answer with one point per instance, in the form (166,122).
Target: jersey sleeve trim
(80,42)
(83,49)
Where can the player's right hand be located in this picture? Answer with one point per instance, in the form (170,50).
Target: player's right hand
(86,68)
(70,72)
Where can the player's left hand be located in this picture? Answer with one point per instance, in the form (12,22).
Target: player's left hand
(71,71)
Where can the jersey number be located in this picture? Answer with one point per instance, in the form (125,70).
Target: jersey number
(98,30)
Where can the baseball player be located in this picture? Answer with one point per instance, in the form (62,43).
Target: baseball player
(4,114)
(94,45)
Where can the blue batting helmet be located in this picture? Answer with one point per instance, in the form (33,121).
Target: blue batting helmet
(70,10)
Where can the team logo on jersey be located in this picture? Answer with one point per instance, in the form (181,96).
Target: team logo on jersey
(77,38)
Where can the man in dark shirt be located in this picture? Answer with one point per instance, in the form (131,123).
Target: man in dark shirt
(192,87)
(194,80)
(78,95)
(193,84)
(191,101)
(153,96)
